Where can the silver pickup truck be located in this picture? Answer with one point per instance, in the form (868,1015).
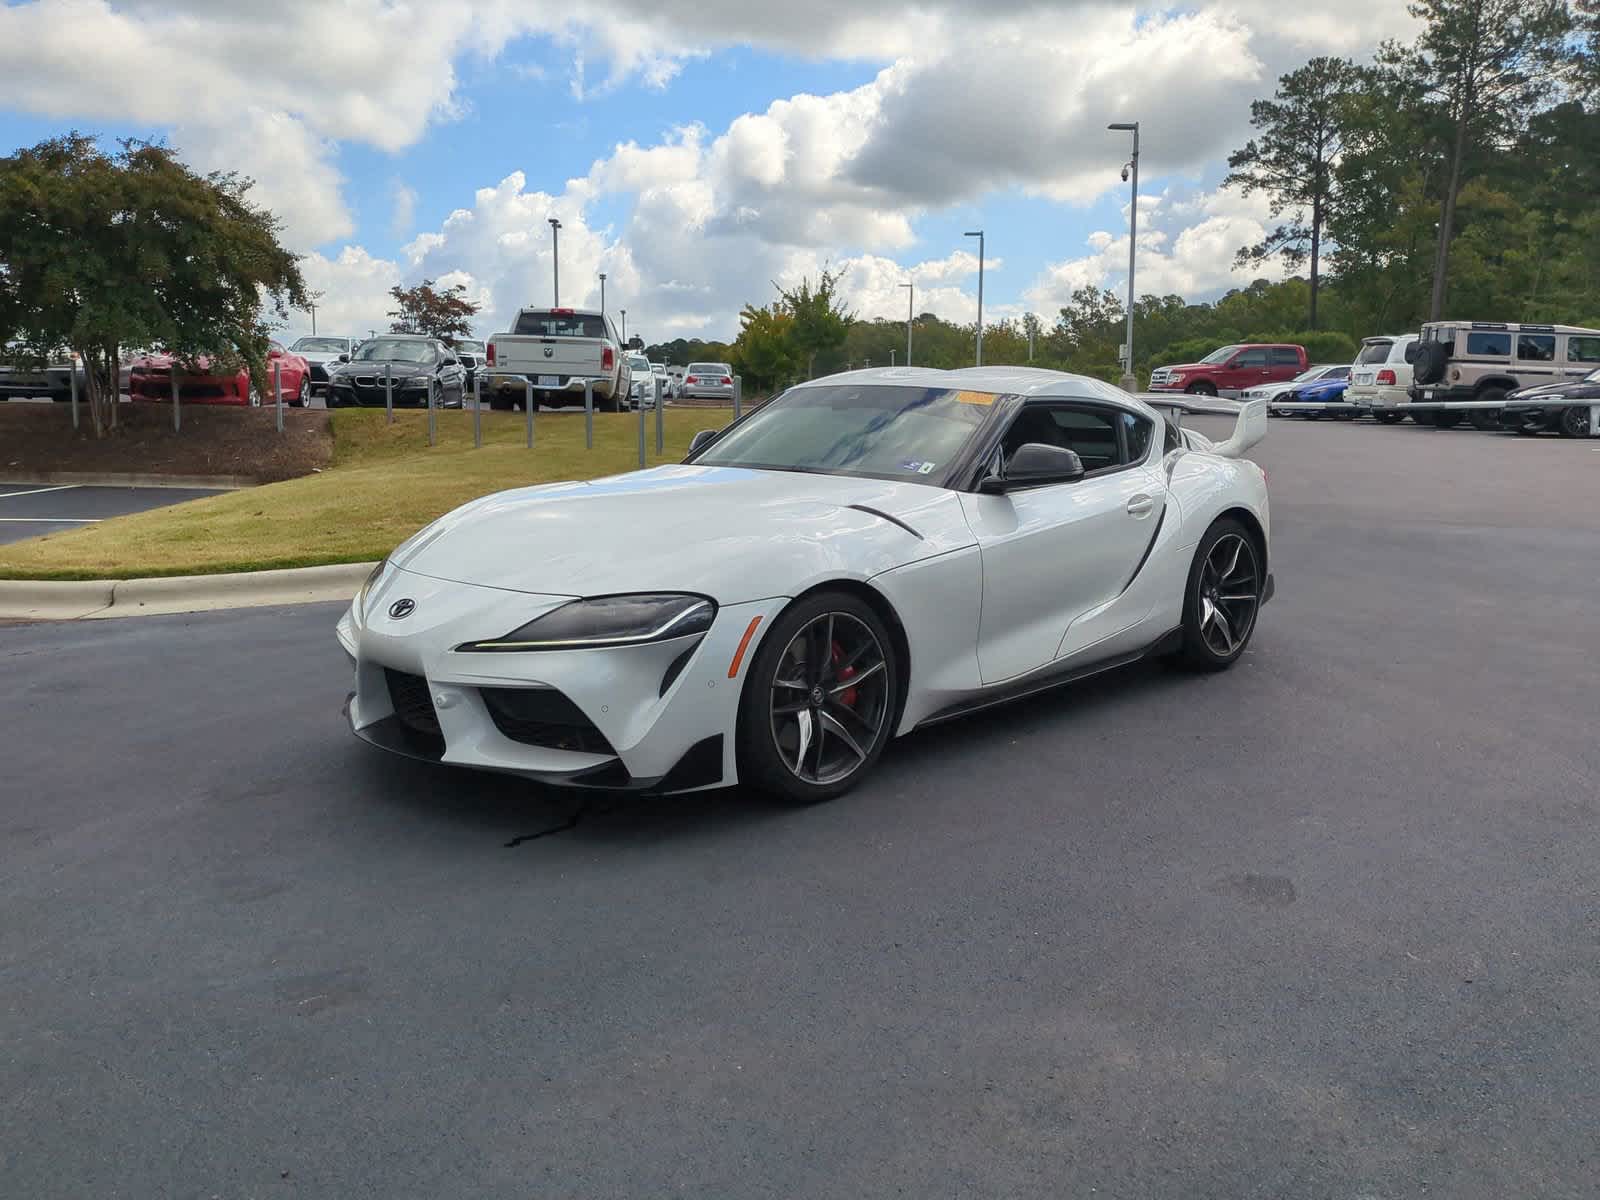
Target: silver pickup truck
(558,350)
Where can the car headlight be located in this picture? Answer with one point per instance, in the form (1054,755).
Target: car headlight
(367,586)
(609,621)
(408,384)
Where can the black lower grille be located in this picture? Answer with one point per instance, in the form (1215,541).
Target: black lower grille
(413,708)
(544,717)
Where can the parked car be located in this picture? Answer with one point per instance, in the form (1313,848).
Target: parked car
(705,625)
(1269,391)
(150,379)
(470,351)
(559,349)
(53,379)
(642,384)
(708,381)
(1381,380)
(1531,410)
(323,353)
(1487,361)
(669,386)
(416,368)
(1233,370)
(1320,391)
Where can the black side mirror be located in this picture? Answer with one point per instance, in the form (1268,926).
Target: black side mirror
(344,358)
(701,440)
(1034,464)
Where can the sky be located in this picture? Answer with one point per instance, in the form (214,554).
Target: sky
(701,153)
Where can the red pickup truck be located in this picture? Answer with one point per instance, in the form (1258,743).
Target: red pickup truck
(1232,369)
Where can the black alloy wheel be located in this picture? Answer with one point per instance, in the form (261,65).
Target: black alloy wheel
(1488,419)
(1223,597)
(1574,421)
(819,702)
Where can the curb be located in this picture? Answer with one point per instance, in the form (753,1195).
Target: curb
(128,479)
(70,600)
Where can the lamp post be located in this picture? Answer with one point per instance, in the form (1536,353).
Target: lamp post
(602,293)
(555,259)
(624,327)
(1130,383)
(311,307)
(911,300)
(979,235)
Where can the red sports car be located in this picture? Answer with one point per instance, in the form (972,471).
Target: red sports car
(151,379)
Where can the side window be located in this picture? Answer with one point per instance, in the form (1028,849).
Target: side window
(1283,356)
(1138,432)
(1253,358)
(1092,434)
(1583,349)
(1488,345)
(1536,347)
(1170,439)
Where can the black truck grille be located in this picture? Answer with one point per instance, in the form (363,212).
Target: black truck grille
(413,708)
(544,717)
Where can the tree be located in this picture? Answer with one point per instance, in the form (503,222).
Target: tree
(443,313)
(1483,66)
(133,249)
(1293,163)
(764,352)
(820,321)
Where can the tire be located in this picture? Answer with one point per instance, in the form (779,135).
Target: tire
(1487,419)
(1447,419)
(1574,421)
(1201,389)
(302,398)
(608,404)
(1388,418)
(1423,418)
(1226,553)
(1428,364)
(806,746)
(499,403)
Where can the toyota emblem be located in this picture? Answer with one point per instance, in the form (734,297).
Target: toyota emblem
(401,609)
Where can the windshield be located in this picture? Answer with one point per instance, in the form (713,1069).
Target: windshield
(903,433)
(709,369)
(636,363)
(470,347)
(1374,352)
(394,350)
(1222,355)
(1593,376)
(559,324)
(321,345)
(658,368)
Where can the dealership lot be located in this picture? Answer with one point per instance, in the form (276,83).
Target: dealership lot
(1321,925)
(34,509)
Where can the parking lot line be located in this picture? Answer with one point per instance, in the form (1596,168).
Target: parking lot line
(60,487)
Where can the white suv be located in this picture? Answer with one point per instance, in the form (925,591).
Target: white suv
(1380,380)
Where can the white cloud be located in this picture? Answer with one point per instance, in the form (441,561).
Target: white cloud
(404,217)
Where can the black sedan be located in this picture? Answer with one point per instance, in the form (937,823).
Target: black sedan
(419,370)
(1548,407)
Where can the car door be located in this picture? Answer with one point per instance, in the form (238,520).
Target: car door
(1245,370)
(1055,553)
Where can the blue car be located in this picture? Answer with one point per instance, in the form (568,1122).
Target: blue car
(1321,391)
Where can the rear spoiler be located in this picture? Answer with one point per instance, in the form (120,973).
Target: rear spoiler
(1249,425)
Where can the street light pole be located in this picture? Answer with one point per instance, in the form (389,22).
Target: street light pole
(979,235)
(624,327)
(311,305)
(555,259)
(1129,381)
(602,293)
(911,300)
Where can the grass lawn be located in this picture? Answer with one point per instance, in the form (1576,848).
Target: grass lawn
(385,483)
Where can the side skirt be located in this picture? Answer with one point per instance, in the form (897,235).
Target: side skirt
(1047,679)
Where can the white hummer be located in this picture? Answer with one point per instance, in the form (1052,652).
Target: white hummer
(558,350)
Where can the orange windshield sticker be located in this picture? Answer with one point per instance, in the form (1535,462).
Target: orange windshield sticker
(975,397)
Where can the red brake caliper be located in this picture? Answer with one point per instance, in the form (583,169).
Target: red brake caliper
(848,696)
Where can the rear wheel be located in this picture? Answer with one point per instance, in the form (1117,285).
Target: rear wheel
(1574,421)
(1223,597)
(1446,419)
(1389,418)
(1488,419)
(1201,389)
(819,703)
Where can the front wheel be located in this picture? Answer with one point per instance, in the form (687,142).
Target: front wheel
(302,398)
(1201,389)
(1223,597)
(819,703)
(1574,421)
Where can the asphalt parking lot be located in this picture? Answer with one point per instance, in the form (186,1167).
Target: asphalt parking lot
(34,509)
(1321,926)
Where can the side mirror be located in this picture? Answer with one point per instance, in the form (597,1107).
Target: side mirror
(1033,465)
(701,440)
(344,358)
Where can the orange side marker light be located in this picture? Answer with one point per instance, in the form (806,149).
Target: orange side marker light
(744,644)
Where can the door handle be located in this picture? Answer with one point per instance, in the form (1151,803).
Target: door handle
(1141,505)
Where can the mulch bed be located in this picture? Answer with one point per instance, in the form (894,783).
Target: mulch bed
(214,440)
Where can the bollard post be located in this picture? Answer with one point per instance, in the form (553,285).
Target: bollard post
(660,430)
(641,431)
(588,414)
(388,391)
(277,390)
(172,375)
(738,394)
(72,382)
(431,416)
(477,411)
(527,406)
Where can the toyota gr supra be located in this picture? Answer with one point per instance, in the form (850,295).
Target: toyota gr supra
(866,554)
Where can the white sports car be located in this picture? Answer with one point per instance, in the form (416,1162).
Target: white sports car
(866,554)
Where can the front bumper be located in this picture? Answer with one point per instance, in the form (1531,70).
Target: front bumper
(659,717)
(347,394)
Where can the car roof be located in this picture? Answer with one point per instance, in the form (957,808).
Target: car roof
(1510,326)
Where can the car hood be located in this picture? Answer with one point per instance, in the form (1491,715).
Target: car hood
(730,533)
(400,370)
(317,356)
(1572,389)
